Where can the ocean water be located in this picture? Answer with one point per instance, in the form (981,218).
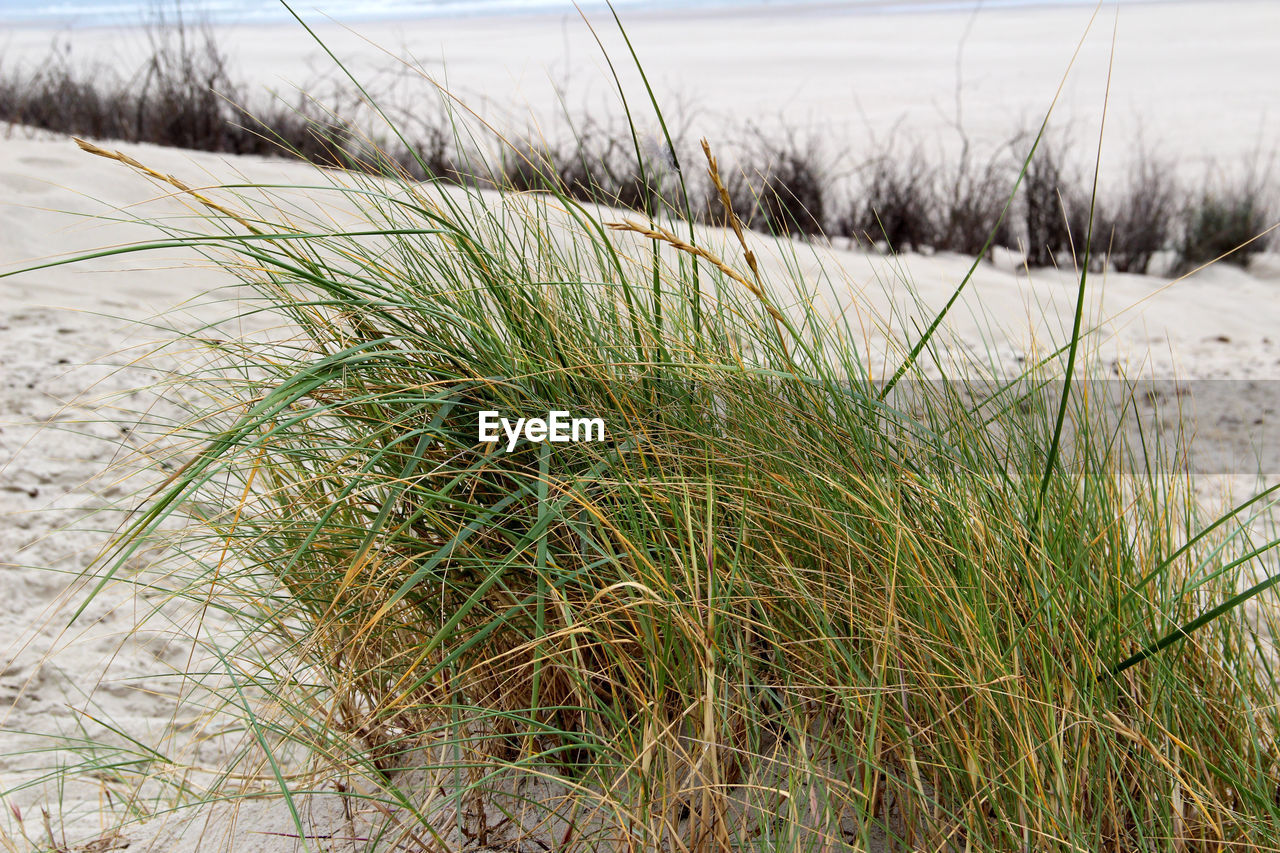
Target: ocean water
(129,12)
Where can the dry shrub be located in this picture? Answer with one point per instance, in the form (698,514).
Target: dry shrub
(527,165)
(597,165)
(185,96)
(601,166)
(182,97)
(743,200)
(775,186)
(792,189)
(976,207)
(56,97)
(1051,210)
(1142,220)
(899,206)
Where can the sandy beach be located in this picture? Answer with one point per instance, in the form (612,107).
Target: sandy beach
(1200,79)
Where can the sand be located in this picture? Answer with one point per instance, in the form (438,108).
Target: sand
(67,409)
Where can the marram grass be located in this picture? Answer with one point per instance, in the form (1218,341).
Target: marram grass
(780,607)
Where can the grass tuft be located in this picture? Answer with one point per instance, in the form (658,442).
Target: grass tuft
(1228,222)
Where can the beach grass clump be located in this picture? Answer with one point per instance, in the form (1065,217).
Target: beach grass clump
(1227,221)
(784,604)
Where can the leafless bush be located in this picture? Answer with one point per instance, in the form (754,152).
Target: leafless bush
(974,206)
(775,186)
(597,165)
(792,190)
(182,97)
(742,197)
(59,97)
(527,165)
(1140,221)
(899,204)
(185,97)
(781,186)
(1051,205)
(602,166)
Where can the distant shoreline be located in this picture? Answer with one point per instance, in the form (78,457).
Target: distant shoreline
(509,10)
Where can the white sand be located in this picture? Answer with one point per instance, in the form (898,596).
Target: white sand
(1198,74)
